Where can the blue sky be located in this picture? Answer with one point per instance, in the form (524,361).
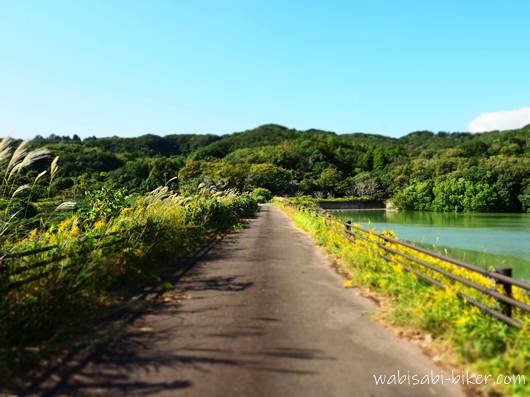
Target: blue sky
(132,67)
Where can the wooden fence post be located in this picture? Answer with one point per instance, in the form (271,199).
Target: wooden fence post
(507,288)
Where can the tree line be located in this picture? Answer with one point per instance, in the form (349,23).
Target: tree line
(419,171)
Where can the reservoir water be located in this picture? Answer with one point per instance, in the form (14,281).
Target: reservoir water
(485,239)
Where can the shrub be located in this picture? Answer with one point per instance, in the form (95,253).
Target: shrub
(261,194)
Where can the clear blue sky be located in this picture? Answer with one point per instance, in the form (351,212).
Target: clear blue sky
(132,67)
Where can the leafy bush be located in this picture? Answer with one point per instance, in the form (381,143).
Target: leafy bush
(261,194)
(418,196)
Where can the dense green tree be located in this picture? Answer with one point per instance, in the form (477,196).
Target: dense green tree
(269,176)
(417,196)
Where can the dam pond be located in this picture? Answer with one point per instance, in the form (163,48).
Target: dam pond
(484,239)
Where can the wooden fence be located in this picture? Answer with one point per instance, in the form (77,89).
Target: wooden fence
(13,277)
(400,253)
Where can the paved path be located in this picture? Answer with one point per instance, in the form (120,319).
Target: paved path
(262,315)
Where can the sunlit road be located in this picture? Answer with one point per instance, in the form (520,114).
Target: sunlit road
(263,314)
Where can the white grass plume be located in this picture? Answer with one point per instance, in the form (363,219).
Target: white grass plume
(39,176)
(157,195)
(29,158)
(20,189)
(53,168)
(18,155)
(5,142)
(5,149)
(66,206)
(5,154)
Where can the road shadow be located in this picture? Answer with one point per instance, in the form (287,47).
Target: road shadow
(107,370)
(56,378)
(131,360)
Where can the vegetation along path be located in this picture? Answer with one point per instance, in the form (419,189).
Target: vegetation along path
(263,314)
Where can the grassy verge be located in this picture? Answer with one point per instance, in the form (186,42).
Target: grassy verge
(95,262)
(484,344)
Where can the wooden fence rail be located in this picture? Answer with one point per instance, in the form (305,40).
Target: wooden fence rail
(501,277)
(7,257)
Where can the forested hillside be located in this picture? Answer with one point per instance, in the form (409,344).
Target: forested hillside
(422,170)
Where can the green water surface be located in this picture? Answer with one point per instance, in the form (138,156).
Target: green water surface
(485,239)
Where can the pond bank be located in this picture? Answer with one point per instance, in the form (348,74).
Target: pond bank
(351,205)
(484,239)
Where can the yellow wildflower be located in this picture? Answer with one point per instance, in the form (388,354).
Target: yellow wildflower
(75,230)
(347,284)
(63,225)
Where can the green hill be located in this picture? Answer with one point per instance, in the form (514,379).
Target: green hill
(422,170)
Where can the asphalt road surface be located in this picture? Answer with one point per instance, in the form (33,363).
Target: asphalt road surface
(262,314)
